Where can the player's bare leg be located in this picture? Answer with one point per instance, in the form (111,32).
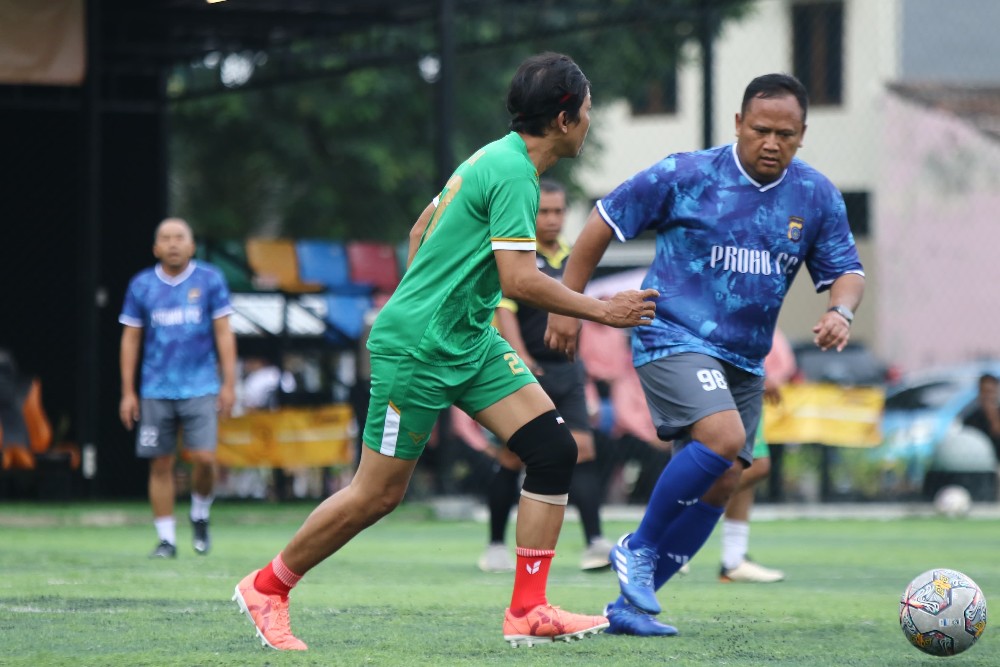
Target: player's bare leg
(161,485)
(202,493)
(377,488)
(161,500)
(538,524)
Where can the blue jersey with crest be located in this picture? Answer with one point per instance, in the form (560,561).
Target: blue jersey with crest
(179,359)
(727,250)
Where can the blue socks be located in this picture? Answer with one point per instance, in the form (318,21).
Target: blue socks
(681,485)
(684,538)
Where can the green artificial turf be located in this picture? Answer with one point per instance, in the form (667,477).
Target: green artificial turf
(77,589)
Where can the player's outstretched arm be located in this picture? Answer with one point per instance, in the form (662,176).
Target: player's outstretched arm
(625,309)
(521,280)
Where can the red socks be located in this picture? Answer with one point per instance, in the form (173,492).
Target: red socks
(276,578)
(530,579)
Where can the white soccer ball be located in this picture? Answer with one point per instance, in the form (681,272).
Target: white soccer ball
(942,612)
(953,501)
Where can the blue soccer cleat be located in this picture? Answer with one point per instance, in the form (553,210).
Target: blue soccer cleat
(635,568)
(624,619)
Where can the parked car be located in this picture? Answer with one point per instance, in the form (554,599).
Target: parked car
(924,408)
(854,366)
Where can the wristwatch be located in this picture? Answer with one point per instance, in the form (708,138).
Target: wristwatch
(844,312)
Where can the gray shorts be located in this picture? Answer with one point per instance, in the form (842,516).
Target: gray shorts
(684,388)
(159,419)
(564,382)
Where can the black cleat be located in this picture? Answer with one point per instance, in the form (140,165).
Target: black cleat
(202,542)
(164,550)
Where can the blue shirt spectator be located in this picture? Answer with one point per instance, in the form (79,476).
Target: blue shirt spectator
(176,313)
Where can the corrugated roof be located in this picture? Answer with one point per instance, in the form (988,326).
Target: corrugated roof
(978,105)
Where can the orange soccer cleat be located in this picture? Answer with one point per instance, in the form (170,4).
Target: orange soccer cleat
(546,623)
(269,614)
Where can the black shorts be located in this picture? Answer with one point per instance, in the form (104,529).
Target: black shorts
(564,381)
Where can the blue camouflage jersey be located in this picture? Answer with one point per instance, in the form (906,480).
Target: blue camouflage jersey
(727,250)
(179,359)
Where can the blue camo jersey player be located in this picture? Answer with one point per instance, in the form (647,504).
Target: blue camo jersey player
(734,225)
(177,314)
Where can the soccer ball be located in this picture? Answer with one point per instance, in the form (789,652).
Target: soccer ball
(953,501)
(942,612)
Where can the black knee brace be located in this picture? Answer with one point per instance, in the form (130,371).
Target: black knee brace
(548,450)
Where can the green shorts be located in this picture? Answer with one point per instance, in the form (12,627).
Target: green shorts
(760,448)
(407,395)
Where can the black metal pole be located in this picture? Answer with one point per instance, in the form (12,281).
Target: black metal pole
(445,166)
(707,34)
(825,473)
(90,258)
(163,164)
(776,478)
(444,153)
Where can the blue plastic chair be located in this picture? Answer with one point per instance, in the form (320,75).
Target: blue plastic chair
(345,313)
(322,261)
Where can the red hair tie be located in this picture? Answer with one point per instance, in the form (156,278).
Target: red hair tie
(565,97)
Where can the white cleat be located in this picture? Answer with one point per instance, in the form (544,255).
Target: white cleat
(750,572)
(597,555)
(496,558)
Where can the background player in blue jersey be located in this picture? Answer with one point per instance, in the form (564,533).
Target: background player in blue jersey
(734,224)
(177,313)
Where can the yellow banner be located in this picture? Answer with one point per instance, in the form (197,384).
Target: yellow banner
(288,437)
(826,414)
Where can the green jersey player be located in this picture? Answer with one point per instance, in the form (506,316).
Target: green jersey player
(432,347)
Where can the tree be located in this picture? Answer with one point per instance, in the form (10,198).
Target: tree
(345,147)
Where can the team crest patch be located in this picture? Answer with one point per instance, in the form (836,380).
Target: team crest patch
(795,227)
(194,294)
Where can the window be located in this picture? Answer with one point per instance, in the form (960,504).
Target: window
(657,96)
(857,207)
(818,50)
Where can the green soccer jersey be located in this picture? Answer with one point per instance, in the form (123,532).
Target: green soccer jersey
(441,311)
